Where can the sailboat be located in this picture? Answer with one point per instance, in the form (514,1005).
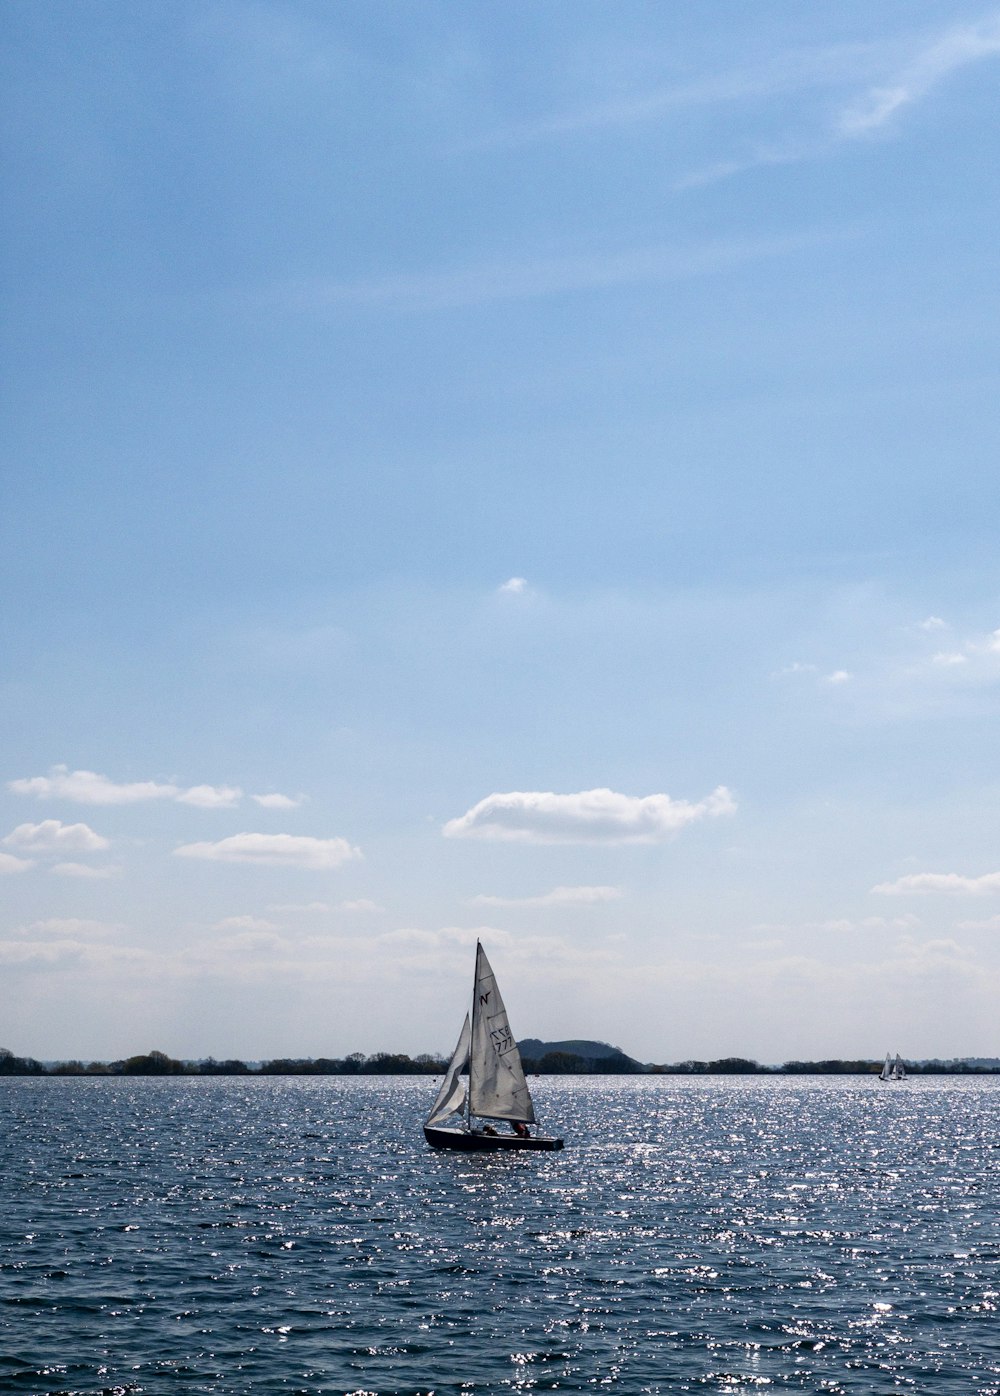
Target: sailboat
(892,1070)
(495,1088)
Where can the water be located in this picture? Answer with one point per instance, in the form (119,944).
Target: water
(296,1235)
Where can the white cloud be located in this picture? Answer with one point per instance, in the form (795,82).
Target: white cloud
(890,923)
(944,55)
(514,586)
(991,923)
(591,816)
(933,623)
(89,788)
(82,955)
(940,882)
(932,950)
(304,908)
(276,850)
(211,796)
(52,836)
(10,864)
(244,923)
(844,924)
(359,904)
(559,896)
(86,870)
(949,660)
(993,643)
(253,942)
(68,927)
(276,801)
(798,667)
(838,676)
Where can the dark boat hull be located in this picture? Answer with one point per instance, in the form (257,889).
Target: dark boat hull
(474,1141)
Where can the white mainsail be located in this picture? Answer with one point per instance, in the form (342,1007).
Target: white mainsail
(886,1072)
(451,1096)
(898,1069)
(497,1088)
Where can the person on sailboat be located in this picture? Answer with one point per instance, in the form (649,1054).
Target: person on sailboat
(521,1130)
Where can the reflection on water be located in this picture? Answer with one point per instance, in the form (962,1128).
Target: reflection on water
(297,1235)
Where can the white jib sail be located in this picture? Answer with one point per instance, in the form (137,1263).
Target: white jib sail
(497,1088)
(899,1070)
(451,1096)
(884,1073)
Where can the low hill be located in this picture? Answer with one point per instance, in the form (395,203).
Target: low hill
(575,1055)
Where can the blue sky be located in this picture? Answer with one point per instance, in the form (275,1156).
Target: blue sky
(512,471)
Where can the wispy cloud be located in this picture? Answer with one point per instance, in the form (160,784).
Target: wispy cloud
(903,83)
(276,850)
(590,816)
(559,896)
(513,586)
(943,55)
(52,836)
(953,883)
(788,71)
(791,151)
(904,669)
(532,277)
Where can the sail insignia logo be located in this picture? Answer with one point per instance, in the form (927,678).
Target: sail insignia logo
(484,999)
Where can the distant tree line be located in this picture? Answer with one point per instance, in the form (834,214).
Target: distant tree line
(398,1064)
(743,1066)
(159,1064)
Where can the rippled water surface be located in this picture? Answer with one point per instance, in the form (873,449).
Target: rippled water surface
(297,1235)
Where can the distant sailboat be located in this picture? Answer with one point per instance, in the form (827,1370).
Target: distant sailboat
(892,1070)
(496,1088)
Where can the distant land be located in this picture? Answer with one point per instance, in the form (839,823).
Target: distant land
(573,1057)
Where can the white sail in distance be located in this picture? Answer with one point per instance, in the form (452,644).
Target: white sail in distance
(886,1069)
(451,1096)
(898,1069)
(497,1088)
